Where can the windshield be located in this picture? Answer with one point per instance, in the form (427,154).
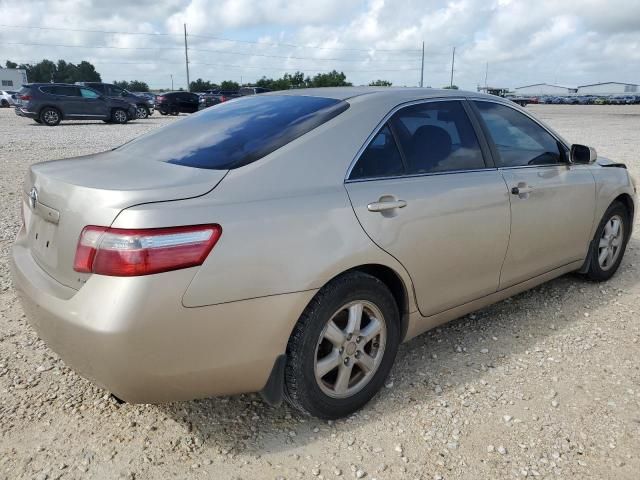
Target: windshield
(235,133)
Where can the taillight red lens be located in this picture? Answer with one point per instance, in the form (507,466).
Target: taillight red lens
(125,253)
(25,97)
(160,99)
(223,98)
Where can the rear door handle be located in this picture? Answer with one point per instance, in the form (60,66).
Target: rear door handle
(384,206)
(521,190)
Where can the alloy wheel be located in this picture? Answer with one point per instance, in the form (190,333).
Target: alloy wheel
(51,116)
(350,349)
(610,243)
(141,112)
(120,116)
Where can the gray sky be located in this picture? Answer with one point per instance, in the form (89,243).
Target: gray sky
(569,43)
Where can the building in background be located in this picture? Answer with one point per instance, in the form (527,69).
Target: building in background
(544,89)
(608,88)
(12,78)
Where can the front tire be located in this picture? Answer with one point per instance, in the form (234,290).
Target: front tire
(609,243)
(50,116)
(119,115)
(343,347)
(142,112)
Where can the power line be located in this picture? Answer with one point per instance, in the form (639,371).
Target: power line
(207,50)
(212,37)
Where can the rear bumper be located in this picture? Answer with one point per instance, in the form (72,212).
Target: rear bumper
(22,112)
(134,337)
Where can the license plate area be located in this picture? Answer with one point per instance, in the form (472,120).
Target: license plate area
(42,235)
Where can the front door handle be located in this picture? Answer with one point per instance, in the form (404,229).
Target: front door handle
(386,205)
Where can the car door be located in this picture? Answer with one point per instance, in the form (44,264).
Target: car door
(552,201)
(423,192)
(94,105)
(69,100)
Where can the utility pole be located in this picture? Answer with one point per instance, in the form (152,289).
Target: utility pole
(171,74)
(186,57)
(453,61)
(486,75)
(422,67)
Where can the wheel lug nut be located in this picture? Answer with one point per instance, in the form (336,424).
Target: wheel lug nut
(341,350)
(346,361)
(358,339)
(358,354)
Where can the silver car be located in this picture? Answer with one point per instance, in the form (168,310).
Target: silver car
(288,242)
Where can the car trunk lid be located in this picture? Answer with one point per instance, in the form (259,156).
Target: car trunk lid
(62,197)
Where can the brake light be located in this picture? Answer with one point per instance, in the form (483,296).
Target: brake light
(121,252)
(223,98)
(25,97)
(160,99)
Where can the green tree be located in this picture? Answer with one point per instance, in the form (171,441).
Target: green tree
(48,71)
(380,83)
(201,85)
(10,64)
(229,85)
(451,87)
(331,79)
(132,86)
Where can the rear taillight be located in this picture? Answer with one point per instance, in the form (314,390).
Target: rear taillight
(126,253)
(160,99)
(223,98)
(25,97)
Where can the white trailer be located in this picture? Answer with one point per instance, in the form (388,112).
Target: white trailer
(12,78)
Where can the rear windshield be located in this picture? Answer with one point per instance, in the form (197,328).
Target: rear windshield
(235,133)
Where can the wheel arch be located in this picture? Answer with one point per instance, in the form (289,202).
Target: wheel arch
(55,107)
(627,201)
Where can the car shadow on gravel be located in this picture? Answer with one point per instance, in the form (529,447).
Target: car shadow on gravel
(437,363)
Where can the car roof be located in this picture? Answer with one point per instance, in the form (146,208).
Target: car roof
(402,93)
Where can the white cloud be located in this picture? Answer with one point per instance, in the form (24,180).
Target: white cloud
(524,42)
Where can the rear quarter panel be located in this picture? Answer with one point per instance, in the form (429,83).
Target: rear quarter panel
(287,221)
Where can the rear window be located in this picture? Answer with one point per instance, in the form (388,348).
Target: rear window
(236,133)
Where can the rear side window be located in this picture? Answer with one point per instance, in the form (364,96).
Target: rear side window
(381,158)
(519,140)
(65,91)
(437,137)
(236,133)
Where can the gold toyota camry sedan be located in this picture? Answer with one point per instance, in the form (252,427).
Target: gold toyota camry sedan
(287,243)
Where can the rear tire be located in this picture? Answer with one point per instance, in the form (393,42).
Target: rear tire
(609,243)
(119,115)
(343,347)
(4,103)
(50,116)
(174,111)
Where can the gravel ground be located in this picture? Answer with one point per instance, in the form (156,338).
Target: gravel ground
(545,384)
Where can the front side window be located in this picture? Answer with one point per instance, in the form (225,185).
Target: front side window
(381,158)
(116,91)
(86,93)
(236,133)
(519,141)
(437,137)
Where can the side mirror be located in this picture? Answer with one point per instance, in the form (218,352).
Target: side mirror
(583,154)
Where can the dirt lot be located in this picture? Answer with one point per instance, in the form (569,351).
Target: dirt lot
(546,384)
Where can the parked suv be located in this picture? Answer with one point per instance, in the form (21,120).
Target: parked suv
(49,103)
(143,110)
(174,103)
